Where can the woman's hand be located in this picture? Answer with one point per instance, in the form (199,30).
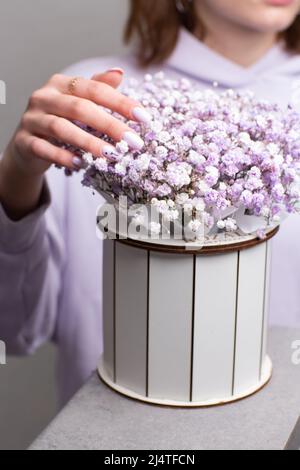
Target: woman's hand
(51,110)
(48,118)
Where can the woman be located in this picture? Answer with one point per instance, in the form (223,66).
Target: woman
(50,259)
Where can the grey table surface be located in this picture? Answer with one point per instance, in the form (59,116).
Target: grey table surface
(294,441)
(99,419)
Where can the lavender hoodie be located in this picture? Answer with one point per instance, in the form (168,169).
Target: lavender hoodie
(51,261)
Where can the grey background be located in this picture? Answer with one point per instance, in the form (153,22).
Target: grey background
(37,39)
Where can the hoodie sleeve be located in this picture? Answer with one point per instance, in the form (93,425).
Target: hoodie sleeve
(32,257)
(31,254)
(30,267)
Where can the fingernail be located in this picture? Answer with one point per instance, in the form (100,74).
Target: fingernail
(133,140)
(77,162)
(140,114)
(109,151)
(117,70)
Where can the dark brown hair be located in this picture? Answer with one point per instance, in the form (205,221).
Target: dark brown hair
(156,25)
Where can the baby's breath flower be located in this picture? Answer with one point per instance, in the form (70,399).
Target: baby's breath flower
(195,225)
(205,152)
(182,198)
(122,147)
(101,164)
(230,225)
(221,224)
(155,228)
(171,215)
(88,158)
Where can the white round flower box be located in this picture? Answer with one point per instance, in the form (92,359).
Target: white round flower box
(186,327)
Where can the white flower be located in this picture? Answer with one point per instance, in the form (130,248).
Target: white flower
(161,206)
(295,192)
(167,111)
(171,215)
(257,147)
(164,137)
(182,198)
(188,168)
(275,152)
(293,134)
(203,187)
(196,96)
(120,169)
(154,145)
(221,224)
(235,116)
(195,225)
(245,138)
(178,174)
(278,159)
(198,141)
(169,102)
(122,147)
(101,164)
(126,160)
(155,228)
(187,143)
(230,225)
(161,151)
(199,204)
(279,190)
(213,172)
(88,158)
(261,121)
(142,162)
(156,126)
(273,149)
(195,158)
(133,174)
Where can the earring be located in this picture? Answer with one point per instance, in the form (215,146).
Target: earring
(180,6)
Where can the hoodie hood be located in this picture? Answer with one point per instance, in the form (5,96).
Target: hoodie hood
(274,77)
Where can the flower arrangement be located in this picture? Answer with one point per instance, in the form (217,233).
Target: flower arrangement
(227,160)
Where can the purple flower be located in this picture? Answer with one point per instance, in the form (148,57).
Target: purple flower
(247,198)
(222,149)
(163,190)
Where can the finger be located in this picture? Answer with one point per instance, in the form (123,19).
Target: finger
(48,152)
(112,77)
(104,95)
(65,131)
(87,112)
